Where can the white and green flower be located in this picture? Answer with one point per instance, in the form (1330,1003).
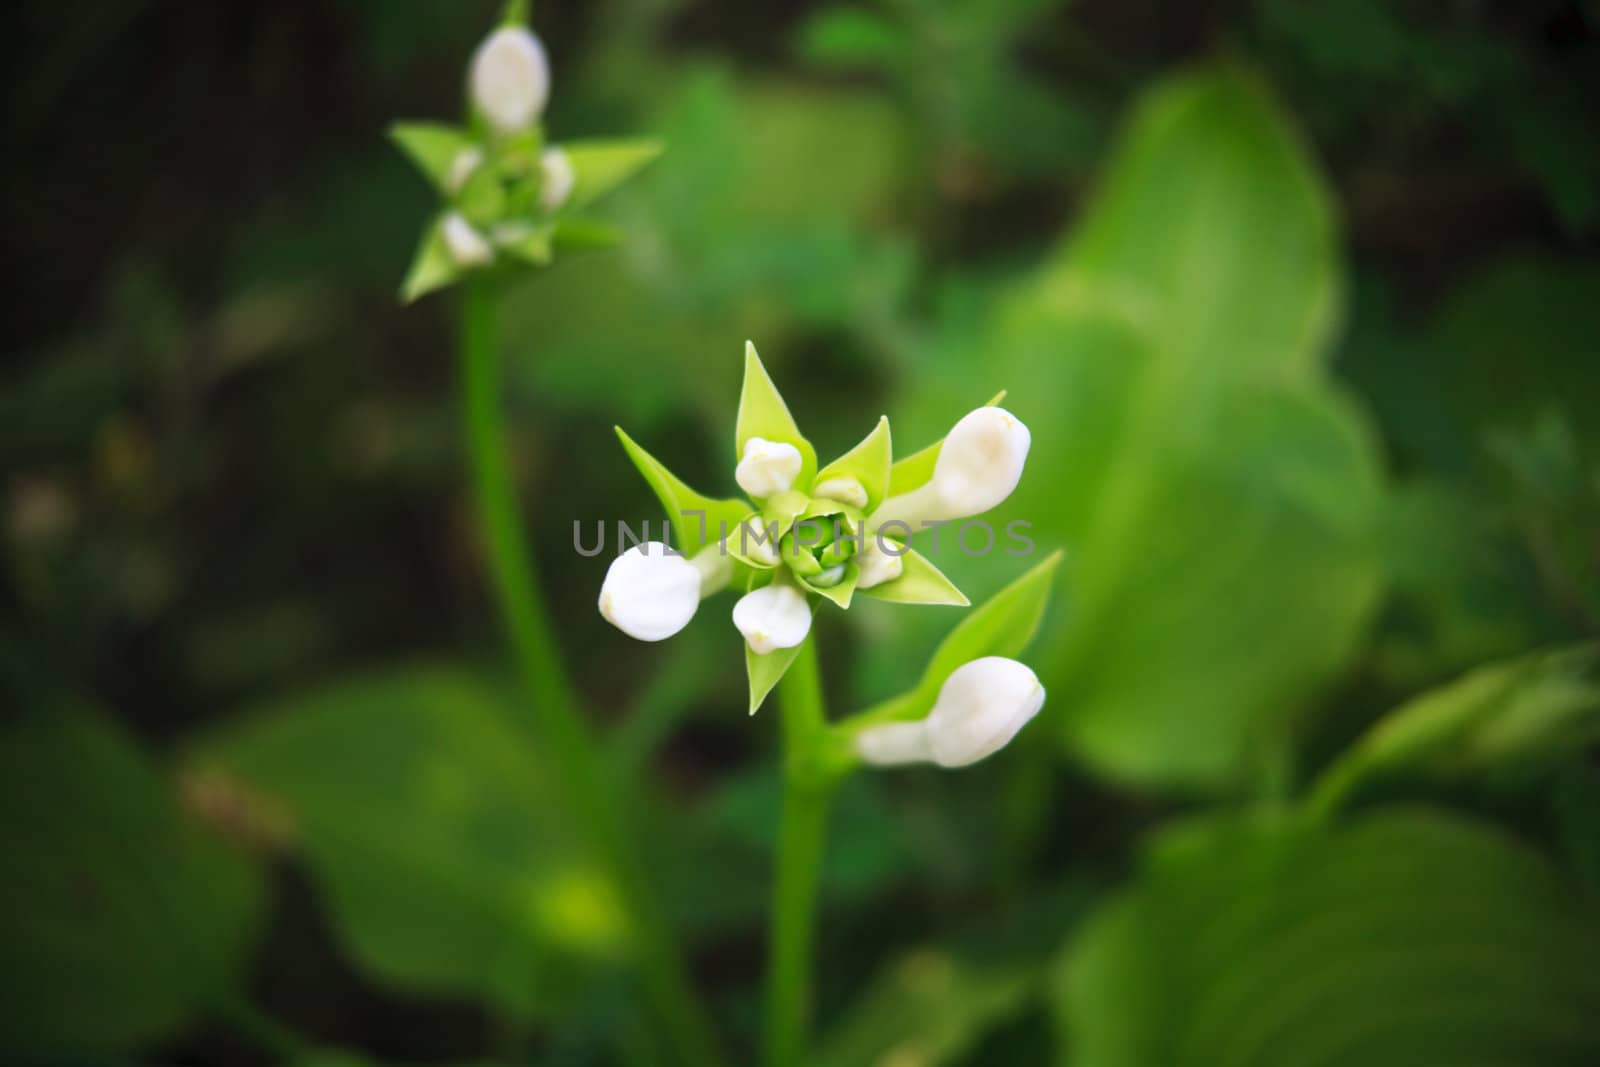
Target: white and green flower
(807,534)
(507,199)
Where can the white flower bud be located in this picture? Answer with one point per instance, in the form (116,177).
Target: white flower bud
(557,178)
(979,465)
(465,244)
(895,743)
(649,594)
(767,467)
(845,490)
(981,706)
(876,566)
(773,617)
(510,79)
(467,161)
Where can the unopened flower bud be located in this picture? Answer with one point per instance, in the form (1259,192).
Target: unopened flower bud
(979,465)
(466,245)
(773,617)
(767,467)
(557,178)
(510,79)
(845,490)
(980,708)
(878,562)
(649,593)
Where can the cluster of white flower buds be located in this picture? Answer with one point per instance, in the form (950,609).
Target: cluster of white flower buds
(980,708)
(651,595)
(509,85)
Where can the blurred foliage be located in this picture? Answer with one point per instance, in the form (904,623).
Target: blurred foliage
(1300,301)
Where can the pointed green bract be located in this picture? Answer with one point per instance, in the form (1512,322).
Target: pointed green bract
(1002,626)
(762,413)
(869,463)
(601,166)
(535,246)
(920,582)
(916,470)
(433,147)
(692,532)
(431,268)
(766,671)
(578,234)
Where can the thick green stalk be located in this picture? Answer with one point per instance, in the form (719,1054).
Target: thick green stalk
(556,720)
(801,839)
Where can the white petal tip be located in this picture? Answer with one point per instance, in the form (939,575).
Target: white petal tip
(767,467)
(510,79)
(650,594)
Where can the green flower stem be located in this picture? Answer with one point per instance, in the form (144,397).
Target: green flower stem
(557,721)
(801,838)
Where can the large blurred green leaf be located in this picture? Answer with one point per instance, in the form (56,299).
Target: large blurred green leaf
(1403,939)
(119,919)
(1499,718)
(430,828)
(1216,497)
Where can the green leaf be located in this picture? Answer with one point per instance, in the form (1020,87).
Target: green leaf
(432,268)
(432,832)
(916,470)
(920,582)
(868,463)
(1503,717)
(1403,938)
(120,919)
(579,234)
(852,36)
(691,530)
(762,413)
(433,147)
(601,166)
(1220,497)
(930,1007)
(764,672)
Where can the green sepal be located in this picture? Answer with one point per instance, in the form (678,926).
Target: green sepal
(600,166)
(1002,626)
(432,147)
(534,246)
(840,592)
(916,470)
(869,463)
(762,413)
(576,235)
(784,508)
(920,582)
(431,268)
(764,672)
(677,498)
(798,557)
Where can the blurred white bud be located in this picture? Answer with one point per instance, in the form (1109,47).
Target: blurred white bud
(557,178)
(894,743)
(650,594)
(979,465)
(466,163)
(773,617)
(767,467)
(876,565)
(980,708)
(845,490)
(510,79)
(466,245)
